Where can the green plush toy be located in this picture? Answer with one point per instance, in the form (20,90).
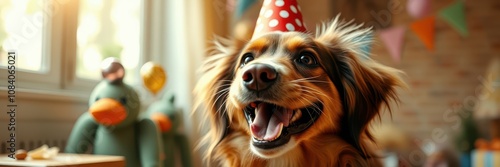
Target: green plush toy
(168,119)
(112,125)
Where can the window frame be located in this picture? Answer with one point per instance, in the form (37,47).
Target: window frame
(46,78)
(59,51)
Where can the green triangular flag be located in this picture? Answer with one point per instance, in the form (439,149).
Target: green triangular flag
(454,15)
(242,6)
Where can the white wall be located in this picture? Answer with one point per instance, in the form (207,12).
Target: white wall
(181,55)
(41,116)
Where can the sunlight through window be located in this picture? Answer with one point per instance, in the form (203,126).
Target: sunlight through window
(21,29)
(108,29)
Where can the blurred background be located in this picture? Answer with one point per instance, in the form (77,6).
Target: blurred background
(448,49)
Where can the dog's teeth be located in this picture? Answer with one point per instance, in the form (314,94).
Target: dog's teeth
(279,133)
(297,114)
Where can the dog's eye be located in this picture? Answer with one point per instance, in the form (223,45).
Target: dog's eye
(247,57)
(307,59)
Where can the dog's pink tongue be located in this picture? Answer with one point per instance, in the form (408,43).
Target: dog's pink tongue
(267,124)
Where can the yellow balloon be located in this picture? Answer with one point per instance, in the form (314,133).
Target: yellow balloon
(153,77)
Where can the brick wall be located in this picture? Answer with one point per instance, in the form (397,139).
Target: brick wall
(441,80)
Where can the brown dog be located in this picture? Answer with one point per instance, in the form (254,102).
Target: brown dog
(292,99)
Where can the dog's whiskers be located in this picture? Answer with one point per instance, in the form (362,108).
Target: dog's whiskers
(222,92)
(220,107)
(223,85)
(313,91)
(309,102)
(305,104)
(314,104)
(308,79)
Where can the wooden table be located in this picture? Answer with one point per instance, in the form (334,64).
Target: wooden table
(66,160)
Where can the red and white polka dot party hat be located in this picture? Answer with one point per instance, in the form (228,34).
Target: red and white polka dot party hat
(279,15)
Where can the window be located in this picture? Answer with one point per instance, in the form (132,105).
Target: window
(61,43)
(21,29)
(55,91)
(108,28)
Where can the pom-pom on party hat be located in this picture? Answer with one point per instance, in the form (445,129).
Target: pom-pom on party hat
(279,15)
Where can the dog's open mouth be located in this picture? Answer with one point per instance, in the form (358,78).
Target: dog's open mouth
(272,126)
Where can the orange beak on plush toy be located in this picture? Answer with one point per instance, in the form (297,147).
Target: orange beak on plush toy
(163,121)
(108,111)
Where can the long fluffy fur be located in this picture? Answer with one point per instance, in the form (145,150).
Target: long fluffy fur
(366,87)
(368,84)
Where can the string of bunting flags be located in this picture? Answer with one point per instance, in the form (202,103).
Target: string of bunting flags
(423,26)
(393,37)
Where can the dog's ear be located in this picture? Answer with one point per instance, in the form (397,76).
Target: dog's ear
(364,85)
(212,90)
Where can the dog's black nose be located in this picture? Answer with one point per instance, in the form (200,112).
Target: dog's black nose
(259,77)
